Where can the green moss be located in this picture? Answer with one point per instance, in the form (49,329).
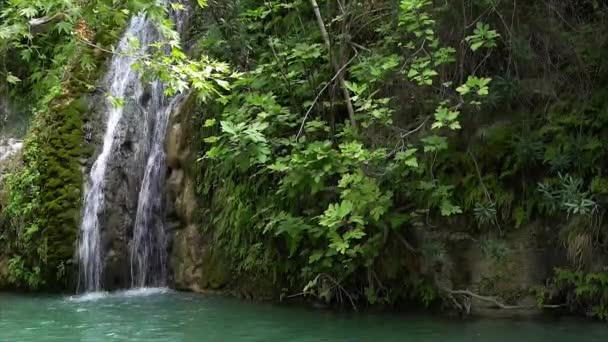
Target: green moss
(61,185)
(52,196)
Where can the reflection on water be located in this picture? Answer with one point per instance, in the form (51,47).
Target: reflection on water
(162,315)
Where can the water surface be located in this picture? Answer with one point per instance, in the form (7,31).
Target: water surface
(161,315)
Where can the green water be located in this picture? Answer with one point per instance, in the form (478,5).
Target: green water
(167,316)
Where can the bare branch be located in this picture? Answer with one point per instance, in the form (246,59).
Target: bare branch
(497,303)
(38,25)
(319,96)
(334,63)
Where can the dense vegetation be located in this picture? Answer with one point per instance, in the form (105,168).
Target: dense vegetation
(357,125)
(353,135)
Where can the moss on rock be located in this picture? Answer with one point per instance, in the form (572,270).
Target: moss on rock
(61,185)
(45,197)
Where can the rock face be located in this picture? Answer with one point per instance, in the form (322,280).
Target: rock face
(186,253)
(4,108)
(508,269)
(123,177)
(3,273)
(194,267)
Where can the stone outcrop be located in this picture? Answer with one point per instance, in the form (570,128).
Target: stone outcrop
(124,175)
(186,254)
(507,270)
(194,267)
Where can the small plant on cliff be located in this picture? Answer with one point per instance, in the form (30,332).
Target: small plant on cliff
(586,292)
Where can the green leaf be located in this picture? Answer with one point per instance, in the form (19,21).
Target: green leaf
(455,125)
(412,162)
(434,143)
(463,89)
(116,102)
(29,12)
(180,7)
(64,27)
(340,246)
(475,46)
(209,123)
(449,209)
(211,140)
(344,209)
(228,127)
(315,256)
(223,83)
(408,157)
(12,79)
(354,234)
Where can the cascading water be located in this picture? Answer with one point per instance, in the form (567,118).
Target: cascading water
(149,240)
(149,244)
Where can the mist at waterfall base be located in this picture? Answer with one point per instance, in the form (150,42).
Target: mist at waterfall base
(161,315)
(148,244)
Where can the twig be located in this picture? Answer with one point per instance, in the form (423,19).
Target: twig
(405,243)
(296,295)
(319,96)
(404,135)
(352,302)
(35,22)
(334,63)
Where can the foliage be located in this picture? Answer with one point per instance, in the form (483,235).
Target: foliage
(456,114)
(325,191)
(44,196)
(584,291)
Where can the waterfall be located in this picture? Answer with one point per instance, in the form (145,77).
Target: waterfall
(149,241)
(149,244)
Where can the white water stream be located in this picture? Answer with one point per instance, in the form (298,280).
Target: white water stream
(148,265)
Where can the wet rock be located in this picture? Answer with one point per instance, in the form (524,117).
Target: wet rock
(124,175)
(186,262)
(193,264)
(4,283)
(174,148)
(507,269)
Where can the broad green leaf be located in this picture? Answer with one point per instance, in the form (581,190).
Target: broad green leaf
(12,79)
(449,209)
(209,123)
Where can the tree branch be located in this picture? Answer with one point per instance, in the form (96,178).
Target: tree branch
(319,95)
(498,304)
(334,63)
(40,24)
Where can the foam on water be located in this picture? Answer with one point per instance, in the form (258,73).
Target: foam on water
(131,293)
